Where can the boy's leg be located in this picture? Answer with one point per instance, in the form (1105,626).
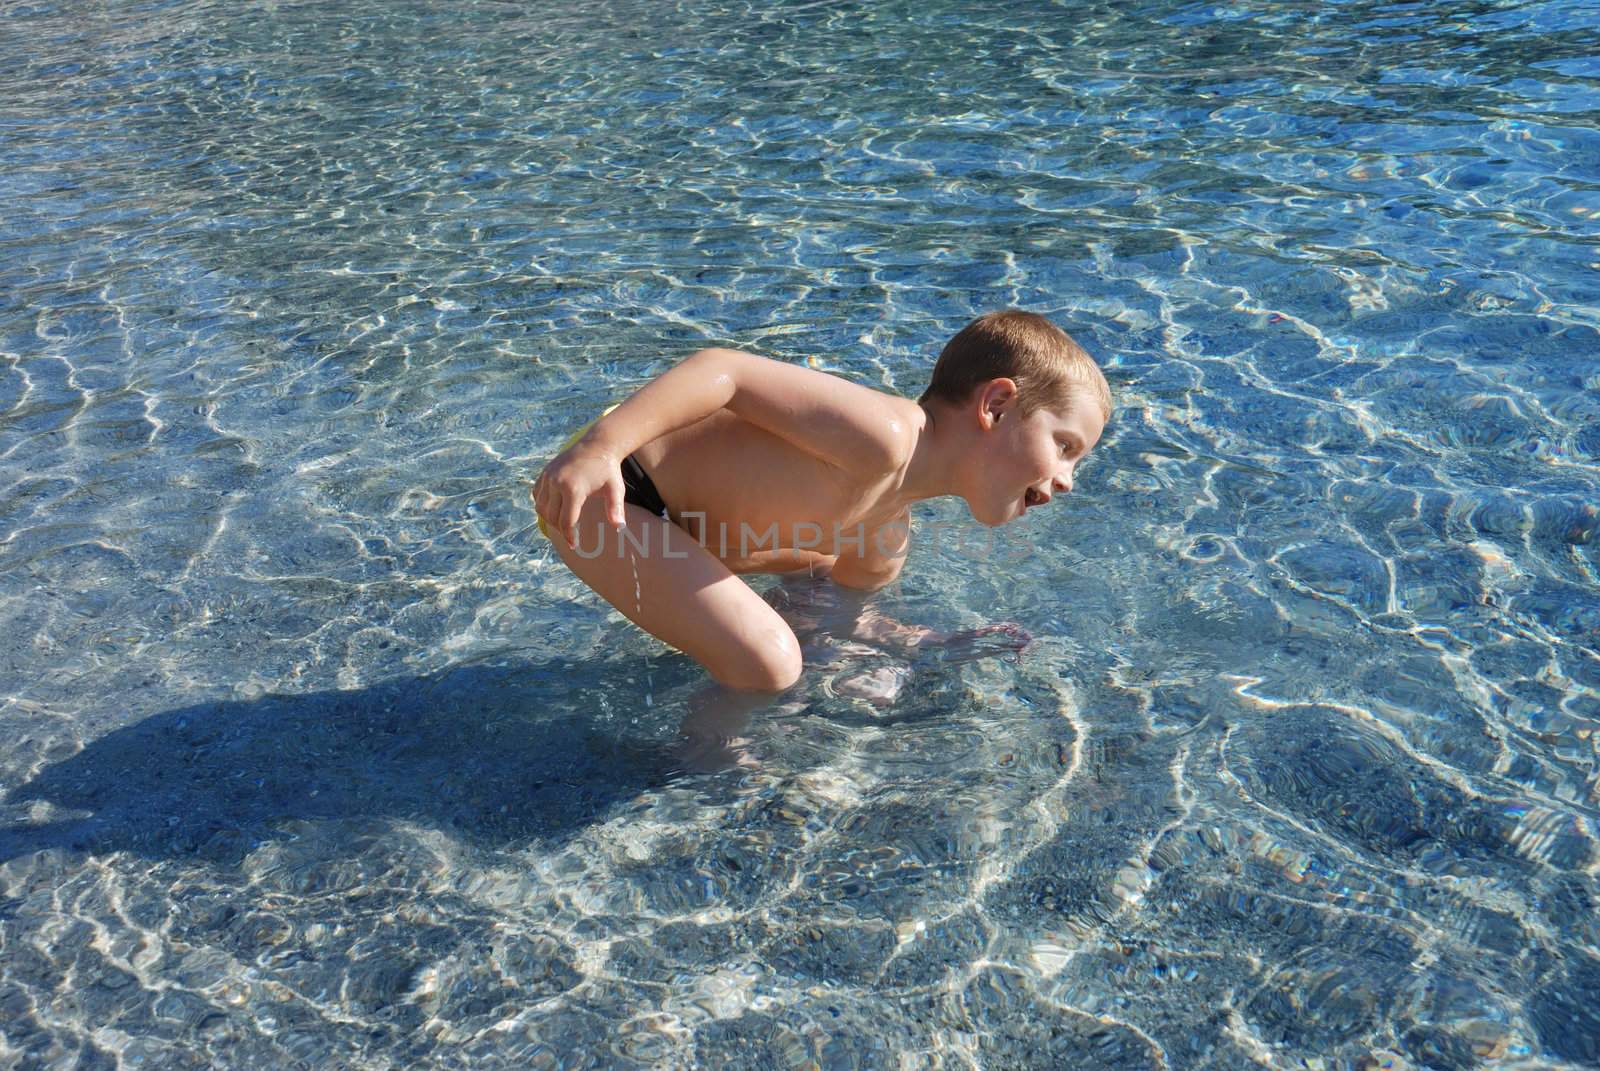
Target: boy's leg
(673,588)
(713,732)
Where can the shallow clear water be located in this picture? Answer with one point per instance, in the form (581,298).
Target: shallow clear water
(315,756)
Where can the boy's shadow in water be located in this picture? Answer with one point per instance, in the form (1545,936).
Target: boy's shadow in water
(500,755)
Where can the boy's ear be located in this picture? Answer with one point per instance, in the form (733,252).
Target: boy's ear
(995,399)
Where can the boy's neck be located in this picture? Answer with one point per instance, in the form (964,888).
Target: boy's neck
(936,459)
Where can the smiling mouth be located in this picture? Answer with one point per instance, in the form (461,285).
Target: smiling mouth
(1031,498)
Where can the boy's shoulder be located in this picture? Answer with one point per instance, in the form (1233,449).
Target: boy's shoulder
(898,420)
(849,424)
(885,424)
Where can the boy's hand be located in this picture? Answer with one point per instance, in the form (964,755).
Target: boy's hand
(568,482)
(1005,640)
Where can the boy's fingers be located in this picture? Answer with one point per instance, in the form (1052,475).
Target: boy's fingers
(569,525)
(614,505)
(550,507)
(571,514)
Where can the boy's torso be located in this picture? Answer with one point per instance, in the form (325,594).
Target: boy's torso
(762,504)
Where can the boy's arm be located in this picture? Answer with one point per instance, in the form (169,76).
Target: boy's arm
(879,562)
(843,423)
(878,559)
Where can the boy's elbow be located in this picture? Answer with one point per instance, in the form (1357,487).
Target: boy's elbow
(714,355)
(717,363)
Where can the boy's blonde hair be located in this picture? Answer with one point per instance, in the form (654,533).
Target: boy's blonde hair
(1043,361)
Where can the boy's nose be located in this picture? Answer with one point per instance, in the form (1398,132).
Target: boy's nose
(1062,481)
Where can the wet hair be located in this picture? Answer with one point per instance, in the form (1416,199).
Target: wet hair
(1043,361)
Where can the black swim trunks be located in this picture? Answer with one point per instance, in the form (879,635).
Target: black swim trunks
(640,489)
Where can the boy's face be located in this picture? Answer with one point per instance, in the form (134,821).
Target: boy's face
(1029,460)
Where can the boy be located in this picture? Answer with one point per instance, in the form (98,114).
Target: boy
(730,463)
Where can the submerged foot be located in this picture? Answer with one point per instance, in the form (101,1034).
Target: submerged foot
(713,754)
(714,735)
(879,685)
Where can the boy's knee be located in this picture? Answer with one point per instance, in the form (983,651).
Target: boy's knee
(770,667)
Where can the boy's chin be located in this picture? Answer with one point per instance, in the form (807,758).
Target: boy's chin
(992,516)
